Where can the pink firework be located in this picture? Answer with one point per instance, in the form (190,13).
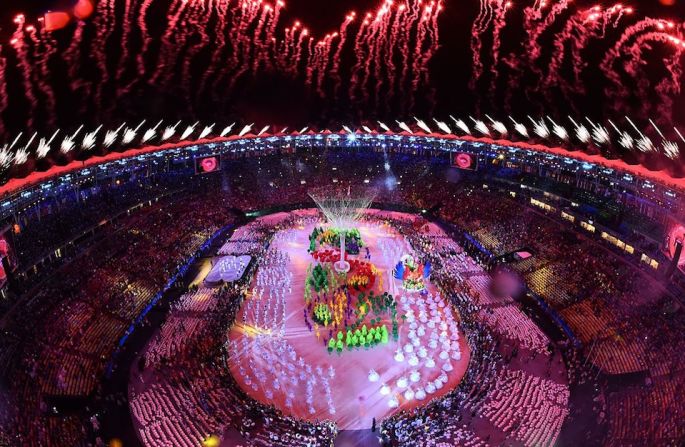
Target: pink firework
(359,43)
(20,47)
(174,37)
(3,91)
(44,47)
(218,49)
(335,71)
(480,25)
(381,54)
(535,29)
(500,12)
(670,84)
(104,21)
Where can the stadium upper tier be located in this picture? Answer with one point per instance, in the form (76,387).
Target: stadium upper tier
(30,182)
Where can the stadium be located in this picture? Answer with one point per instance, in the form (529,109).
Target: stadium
(408,276)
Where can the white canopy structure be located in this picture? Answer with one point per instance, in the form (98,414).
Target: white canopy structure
(342,207)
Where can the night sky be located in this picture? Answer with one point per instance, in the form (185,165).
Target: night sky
(272,98)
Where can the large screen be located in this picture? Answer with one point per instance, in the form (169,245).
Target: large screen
(464,160)
(205,165)
(7,253)
(675,237)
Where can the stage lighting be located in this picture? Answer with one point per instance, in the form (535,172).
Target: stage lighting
(211,441)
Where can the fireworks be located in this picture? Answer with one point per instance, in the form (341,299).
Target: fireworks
(21,156)
(520,128)
(228,129)
(150,133)
(378,59)
(600,134)
(480,126)
(645,144)
(561,69)
(422,125)
(206,131)
(245,130)
(540,128)
(390,48)
(498,126)
(591,135)
(443,126)
(263,131)
(130,134)
(558,130)
(189,130)
(461,125)
(111,136)
(117,55)
(66,146)
(670,149)
(169,131)
(89,139)
(626,141)
(6,157)
(384,37)
(44,146)
(404,127)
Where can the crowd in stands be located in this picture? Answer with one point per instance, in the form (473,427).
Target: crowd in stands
(183,396)
(71,326)
(621,313)
(57,340)
(176,404)
(476,412)
(63,217)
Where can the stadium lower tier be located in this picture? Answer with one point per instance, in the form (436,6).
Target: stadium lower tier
(127,342)
(369,345)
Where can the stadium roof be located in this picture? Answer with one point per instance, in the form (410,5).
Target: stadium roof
(662,177)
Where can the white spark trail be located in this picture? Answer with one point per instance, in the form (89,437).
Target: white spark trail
(206,131)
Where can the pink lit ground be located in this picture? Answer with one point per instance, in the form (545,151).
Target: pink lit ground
(357,400)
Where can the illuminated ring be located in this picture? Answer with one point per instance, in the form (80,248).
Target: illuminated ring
(463,160)
(208,164)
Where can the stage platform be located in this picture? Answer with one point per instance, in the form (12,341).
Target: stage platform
(275,354)
(227,269)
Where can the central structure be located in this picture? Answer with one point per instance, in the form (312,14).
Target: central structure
(342,207)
